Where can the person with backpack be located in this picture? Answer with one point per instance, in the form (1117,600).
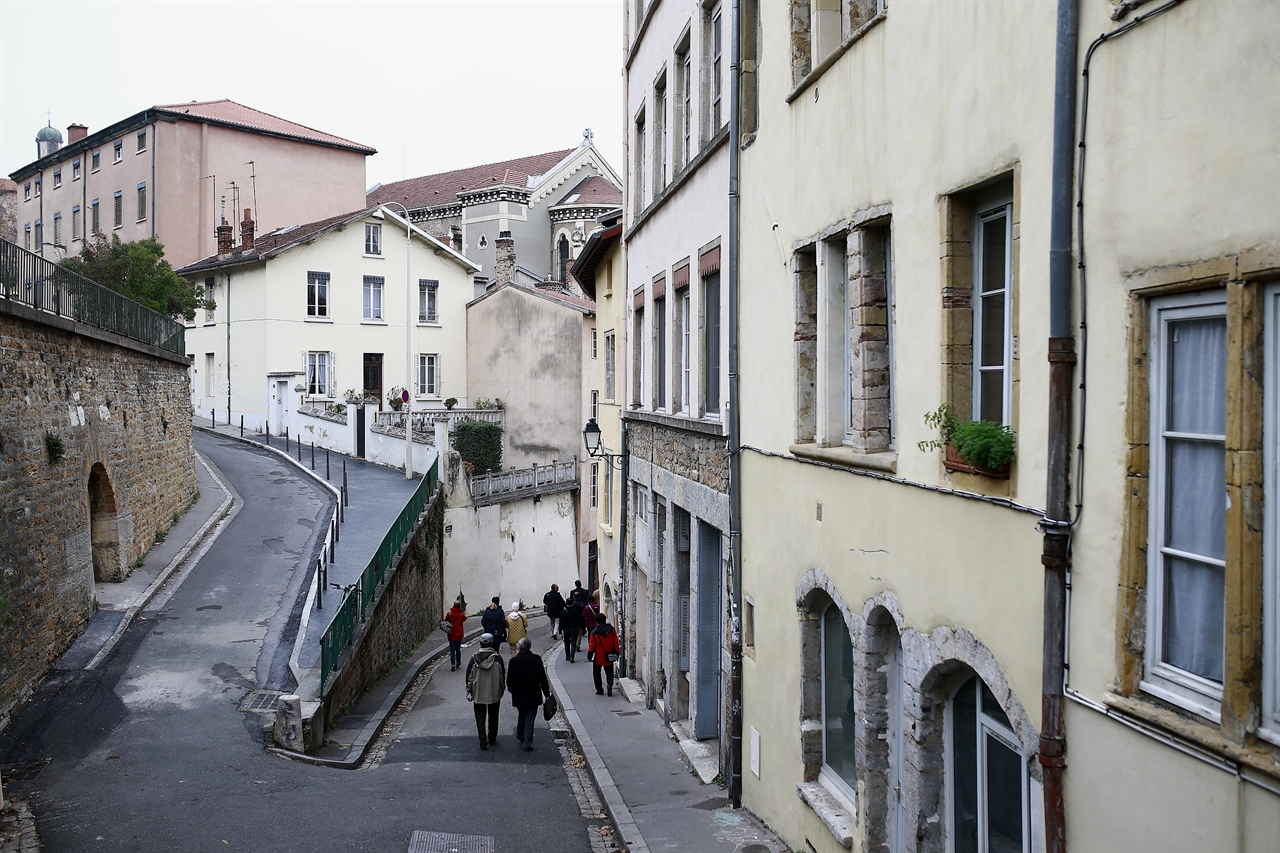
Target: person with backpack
(603,650)
(494,621)
(486,680)
(517,626)
(553,603)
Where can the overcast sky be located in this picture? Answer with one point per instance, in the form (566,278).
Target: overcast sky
(433,85)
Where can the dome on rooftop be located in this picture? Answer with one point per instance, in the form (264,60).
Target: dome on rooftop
(49,134)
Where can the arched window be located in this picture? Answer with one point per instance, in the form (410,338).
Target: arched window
(564,258)
(839,771)
(987,774)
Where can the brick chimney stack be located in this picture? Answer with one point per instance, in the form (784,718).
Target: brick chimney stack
(246,231)
(76,132)
(226,235)
(504,263)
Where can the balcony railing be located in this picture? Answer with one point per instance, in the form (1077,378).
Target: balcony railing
(524,482)
(27,278)
(423,418)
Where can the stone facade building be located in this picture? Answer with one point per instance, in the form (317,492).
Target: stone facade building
(674,575)
(96,462)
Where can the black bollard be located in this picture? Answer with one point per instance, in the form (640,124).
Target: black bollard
(345,500)
(286,441)
(213,418)
(326,463)
(299,445)
(319,585)
(313,456)
(242,426)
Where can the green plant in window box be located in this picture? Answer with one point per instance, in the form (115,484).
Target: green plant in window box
(395,397)
(986,446)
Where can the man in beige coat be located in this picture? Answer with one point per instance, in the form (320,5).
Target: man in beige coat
(486,682)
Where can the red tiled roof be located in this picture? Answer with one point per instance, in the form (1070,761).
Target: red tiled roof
(442,188)
(265,243)
(557,291)
(229,112)
(595,190)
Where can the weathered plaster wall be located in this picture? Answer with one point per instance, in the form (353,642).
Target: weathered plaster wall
(119,412)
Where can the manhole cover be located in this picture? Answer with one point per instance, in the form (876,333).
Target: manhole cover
(627,713)
(261,700)
(559,734)
(713,804)
(24,771)
(448,842)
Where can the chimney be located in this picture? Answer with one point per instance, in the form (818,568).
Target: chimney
(225,236)
(246,231)
(76,132)
(504,263)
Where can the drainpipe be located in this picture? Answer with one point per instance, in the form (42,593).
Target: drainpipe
(228,322)
(735,429)
(622,543)
(1062,358)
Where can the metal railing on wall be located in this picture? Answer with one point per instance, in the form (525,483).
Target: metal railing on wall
(31,280)
(355,603)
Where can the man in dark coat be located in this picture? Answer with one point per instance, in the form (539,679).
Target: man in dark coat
(527,683)
(571,625)
(494,621)
(579,594)
(554,603)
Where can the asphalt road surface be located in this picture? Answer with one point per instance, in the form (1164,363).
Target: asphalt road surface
(150,752)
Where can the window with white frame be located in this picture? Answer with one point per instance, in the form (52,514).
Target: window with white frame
(39,236)
(717,71)
(595,405)
(95,161)
(57,229)
(684,89)
(373,297)
(660,134)
(26,191)
(660,351)
(428,291)
(320,374)
(372,238)
(987,774)
(1270,727)
(142,202)
(637,166)
(57,178)
(610,366)
(317,294)
(27,232)
(711,343)
(95,218)
(638,370)
(119,209)
(118,150)
(429,375)
(839,771)
(1186,552)
(77,231)
(75,171)
(593,343)
(595,484)
(992,313)
(39,186)
(681,325)
(142,141)
(608,495)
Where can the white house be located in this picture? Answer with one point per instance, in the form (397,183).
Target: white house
(312,315)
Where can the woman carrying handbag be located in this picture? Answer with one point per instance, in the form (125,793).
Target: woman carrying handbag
(603,650)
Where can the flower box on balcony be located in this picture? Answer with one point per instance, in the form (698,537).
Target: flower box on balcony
(952,461)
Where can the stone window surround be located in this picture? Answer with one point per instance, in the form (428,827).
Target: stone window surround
(1242,277)
(932,665)
(858,17)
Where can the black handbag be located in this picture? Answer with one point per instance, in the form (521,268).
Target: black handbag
(611,657)
(549,707)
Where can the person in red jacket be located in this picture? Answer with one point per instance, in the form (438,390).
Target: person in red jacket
(602,650)
(455,618)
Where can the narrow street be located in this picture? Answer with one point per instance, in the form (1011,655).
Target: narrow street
(151,751)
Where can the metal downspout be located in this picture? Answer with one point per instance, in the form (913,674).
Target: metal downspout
(735,435)
(228,275)
(1062,358)
(622,549)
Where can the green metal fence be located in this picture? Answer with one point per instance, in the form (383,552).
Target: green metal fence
(355,604)
(27,278)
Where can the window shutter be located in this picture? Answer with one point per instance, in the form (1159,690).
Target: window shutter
(333,374)
(684,632)
(439,378)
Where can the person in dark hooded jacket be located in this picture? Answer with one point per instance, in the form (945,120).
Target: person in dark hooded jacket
(553,602)
(494,621)
(571,626)
(601,643)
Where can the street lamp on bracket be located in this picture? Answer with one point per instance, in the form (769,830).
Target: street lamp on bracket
(591,438)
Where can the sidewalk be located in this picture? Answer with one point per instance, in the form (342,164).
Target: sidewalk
(656,801)
(376,495)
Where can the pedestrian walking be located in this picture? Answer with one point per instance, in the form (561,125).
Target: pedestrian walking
(578,593)
(553,603)
(527,683)
(603,650)
(486,675)
(494,621)
(571,626)
(455,617)
(590,618)
(517,626)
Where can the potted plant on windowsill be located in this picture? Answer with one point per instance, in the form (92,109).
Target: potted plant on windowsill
(975,447)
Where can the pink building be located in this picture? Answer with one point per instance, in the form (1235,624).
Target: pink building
(165,173)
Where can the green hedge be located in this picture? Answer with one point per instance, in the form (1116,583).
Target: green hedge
(480,443)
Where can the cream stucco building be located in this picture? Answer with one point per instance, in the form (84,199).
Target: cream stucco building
(896,190)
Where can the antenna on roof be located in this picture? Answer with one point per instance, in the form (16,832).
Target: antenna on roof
(235,196)
(223,214)
(253,177)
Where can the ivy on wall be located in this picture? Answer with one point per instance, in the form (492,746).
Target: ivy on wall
(480,443)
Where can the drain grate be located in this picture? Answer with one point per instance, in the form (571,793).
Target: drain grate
(627,713)
(448,842)
(24,771)
(711,805)
(559,734)
(261,701)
